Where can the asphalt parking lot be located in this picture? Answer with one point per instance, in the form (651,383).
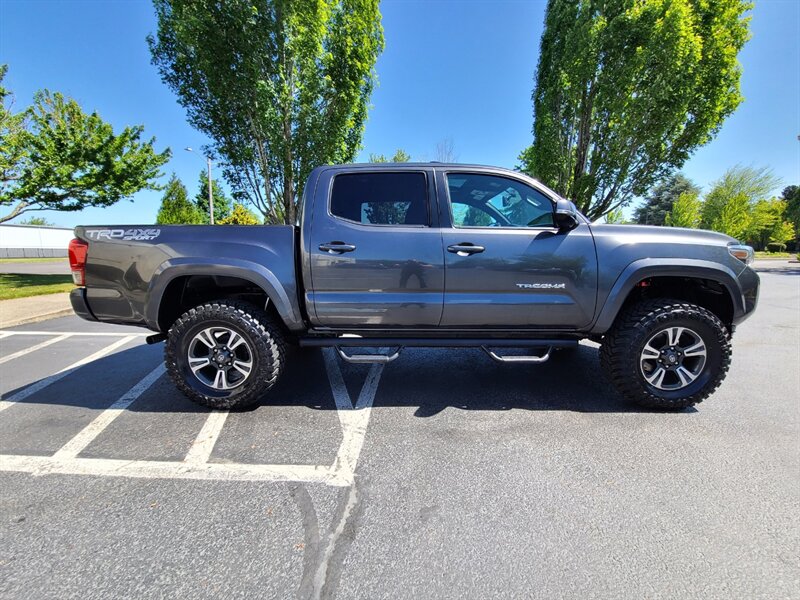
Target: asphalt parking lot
(441,475)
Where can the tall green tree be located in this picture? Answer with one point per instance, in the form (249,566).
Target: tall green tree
(627,89)
(54,156)
(730,202)
(791,194)
(661,198)
(685,211)
(176,208)
(279,86)
(222,204)
(400,156)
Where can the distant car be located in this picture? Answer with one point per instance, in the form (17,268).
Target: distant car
(399,255)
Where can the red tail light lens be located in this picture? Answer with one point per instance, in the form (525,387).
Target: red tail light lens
(77,260)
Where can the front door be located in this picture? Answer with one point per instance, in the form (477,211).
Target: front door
(506,264)
(375,259)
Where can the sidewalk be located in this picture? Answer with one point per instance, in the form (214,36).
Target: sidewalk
(33,309)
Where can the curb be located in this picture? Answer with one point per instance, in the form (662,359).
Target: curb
(64,312)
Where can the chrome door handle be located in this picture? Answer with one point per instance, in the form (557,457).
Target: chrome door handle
(465,249)
(336,247)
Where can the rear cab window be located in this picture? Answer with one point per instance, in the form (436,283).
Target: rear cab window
(381,198)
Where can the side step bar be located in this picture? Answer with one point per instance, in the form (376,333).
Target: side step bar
(516,359)
(394,342)
(369,358)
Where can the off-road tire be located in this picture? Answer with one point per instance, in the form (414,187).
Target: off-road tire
(261,334)
(621,349)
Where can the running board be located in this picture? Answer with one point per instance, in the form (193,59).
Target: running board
(442,342)
(516,359)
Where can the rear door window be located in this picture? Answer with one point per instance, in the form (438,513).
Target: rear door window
(381,198)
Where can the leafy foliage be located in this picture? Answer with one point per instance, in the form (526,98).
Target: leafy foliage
(53,156)
(176,209)
(615,217)
(280,86)
(791,194)
(685,211)
(37,221)
(240,215)
(627,89)
(400,156)
(728,205)
(660,199)
(222,204)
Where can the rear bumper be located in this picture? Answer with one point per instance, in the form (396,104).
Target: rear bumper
(77,298)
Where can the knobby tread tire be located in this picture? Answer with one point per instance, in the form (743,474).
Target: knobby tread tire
(264,337)
(620,351)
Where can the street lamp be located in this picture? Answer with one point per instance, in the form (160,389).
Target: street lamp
(210,194)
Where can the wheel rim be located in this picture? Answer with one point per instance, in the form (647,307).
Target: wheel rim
(673,358)
(220,358)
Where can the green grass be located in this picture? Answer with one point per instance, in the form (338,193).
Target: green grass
(13,285)
(762,254)
(30,260)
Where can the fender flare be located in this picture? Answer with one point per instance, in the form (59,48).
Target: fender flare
(257,274)
(666,267)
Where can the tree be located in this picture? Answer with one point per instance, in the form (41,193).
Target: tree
(627,89)
(685,211)
(728,205)
(240,215)
(280,87)
(176,209)
(37,222)
(782,233)
(615,217)
(53,156)
(400,156)
(791,194)
(222,204)
(445,151)
(661,198)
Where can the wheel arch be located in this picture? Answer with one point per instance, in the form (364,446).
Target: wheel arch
(224,278)
(707,284)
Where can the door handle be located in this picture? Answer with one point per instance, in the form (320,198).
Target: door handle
(465,249)
(336,247)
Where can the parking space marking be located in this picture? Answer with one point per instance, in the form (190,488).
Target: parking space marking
(77,444)
(43,383)
(34,348)
(78,333)
(203,445)
(353,418)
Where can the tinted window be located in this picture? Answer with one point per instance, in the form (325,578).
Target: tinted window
(381,198)
(492,201)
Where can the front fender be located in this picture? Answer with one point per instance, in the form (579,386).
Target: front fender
(283,294)
(666,267)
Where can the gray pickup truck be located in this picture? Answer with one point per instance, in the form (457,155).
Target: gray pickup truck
(402,255)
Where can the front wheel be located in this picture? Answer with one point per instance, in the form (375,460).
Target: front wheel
(224,354)
(666,354)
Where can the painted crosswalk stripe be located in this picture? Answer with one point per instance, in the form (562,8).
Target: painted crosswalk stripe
(43,383)
(34,348)
(76,445)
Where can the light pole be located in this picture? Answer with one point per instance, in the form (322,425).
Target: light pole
(210,194)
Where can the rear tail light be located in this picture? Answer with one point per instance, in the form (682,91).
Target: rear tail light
(77,260)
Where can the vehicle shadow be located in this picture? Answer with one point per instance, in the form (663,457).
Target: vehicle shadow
(779,270)
(427,380)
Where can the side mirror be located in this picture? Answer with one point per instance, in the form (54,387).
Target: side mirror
(566,215)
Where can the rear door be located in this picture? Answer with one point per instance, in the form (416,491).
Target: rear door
(506,264)
(375,254)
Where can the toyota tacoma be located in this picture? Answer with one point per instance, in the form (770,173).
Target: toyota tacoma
(407,255)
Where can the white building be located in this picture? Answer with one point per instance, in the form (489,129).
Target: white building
(30,241)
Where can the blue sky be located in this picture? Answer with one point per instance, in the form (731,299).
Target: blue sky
(458,69)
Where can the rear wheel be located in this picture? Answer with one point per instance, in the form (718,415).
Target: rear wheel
(666,353)
(224,354)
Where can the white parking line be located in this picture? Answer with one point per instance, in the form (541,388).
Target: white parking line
(353,419)
(203,444)
(76,445)
(34,348)
(79,333)
(43,383)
